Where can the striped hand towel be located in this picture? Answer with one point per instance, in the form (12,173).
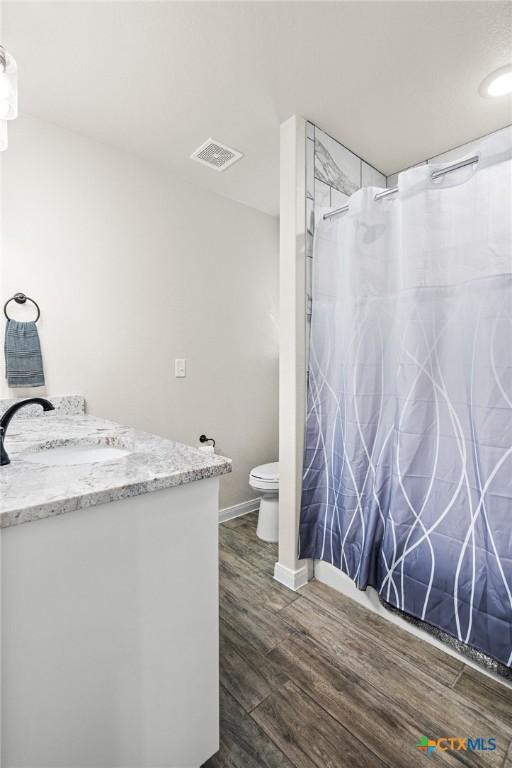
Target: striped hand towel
(23,360)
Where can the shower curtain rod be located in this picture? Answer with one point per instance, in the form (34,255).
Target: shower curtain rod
(435,175)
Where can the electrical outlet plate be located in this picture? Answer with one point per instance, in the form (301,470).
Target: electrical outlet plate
(180,368)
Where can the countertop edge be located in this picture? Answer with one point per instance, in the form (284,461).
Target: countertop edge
(31,491)
(96,498)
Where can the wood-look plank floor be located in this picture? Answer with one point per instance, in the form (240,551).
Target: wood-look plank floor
(311,679)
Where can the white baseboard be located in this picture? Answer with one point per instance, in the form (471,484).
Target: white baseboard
(293,579)
(328,574)
(228,513)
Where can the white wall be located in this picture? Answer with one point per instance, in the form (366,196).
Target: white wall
(132,268)
(292,361)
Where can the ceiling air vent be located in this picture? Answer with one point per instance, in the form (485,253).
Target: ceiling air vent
(216,155)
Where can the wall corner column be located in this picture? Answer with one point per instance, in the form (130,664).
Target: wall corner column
(290,571)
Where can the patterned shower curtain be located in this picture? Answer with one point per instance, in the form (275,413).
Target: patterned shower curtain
(408,460)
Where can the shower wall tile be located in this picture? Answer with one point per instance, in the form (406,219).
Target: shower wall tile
(310,169)
(322,195)
(338,198)
(392,181)
(308,346)
(310,226)
(336,165)
(309,305)
(310,131)
(309,292)
(371,177)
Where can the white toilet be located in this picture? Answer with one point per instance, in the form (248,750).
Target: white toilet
(265,480)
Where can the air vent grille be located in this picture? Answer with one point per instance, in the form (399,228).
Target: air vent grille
(216,155)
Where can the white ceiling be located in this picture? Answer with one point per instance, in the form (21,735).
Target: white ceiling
(395,81)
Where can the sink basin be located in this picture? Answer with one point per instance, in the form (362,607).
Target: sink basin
(75,454)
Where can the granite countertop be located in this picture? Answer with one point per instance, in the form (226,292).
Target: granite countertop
(30,491)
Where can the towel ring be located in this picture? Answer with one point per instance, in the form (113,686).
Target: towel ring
(20,298)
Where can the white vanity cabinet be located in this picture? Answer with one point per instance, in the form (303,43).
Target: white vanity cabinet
(110,634)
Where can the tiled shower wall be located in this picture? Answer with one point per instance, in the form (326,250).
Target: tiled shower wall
(333,173)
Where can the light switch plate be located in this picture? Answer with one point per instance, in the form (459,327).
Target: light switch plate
(180,368)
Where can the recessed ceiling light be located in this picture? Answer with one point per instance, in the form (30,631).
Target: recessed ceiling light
(498,83)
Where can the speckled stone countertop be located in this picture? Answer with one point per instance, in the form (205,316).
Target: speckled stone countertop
(30,491)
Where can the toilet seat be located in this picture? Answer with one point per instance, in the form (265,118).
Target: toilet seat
(264,485)
(268,472)
(265,477)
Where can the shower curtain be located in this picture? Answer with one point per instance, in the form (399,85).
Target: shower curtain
(407,481)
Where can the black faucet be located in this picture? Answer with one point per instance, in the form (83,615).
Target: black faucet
(6,420)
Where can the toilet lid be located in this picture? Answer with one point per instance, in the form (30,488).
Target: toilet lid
(266,471)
